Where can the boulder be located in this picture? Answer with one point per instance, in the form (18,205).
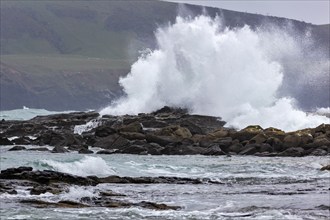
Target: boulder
(5,141)
(114,141)
(104,131)
(327,167)
(133,149)
(85,151)
(214,150)
(247,133)
(161,140)
(174,131)
(132,127)
(235,148)
(59,149)
(258,139)
(276,143)
(17,148)
(292,152)
(275,133)
(38,149)
(292,141)
(318,152)
(249,149)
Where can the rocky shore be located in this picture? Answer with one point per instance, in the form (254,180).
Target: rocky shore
(167,131)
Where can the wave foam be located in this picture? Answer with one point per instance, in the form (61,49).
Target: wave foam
(235,74)
(84,167)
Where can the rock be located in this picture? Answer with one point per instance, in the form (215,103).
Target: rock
(276,144)
(266,148)
(38,149)
(275,133)
(5,141)
(219,133)
(106,152)
(237,147)
(292,152)
(132,127)
(161,140)
(85,151)
(174,131)
(182,150)
(41,189)
(323,128)
(247,133)
(214,150)
(133,135)
(318,152)
(59,149)
(258,139)
(249,149)
(17,148)
(156,206)
(133,149)
(104,131)
(292,141)
(327,167)
(22,140)
(60,204)
(114,141)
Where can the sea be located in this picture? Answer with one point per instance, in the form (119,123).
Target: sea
(251,187)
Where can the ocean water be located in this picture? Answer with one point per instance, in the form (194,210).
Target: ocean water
(26,113)
(252,187)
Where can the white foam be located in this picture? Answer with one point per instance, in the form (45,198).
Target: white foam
(83,167)
(79,129)
(234,74)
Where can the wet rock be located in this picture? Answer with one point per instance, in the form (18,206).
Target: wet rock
(318,152)
(292,152)
(236,148)
(266,148)
(249,149)
(157,206)
(214,150)
(133,135)
(104,131)
(22,140)
(106,152)
(38,149)
(132,127)
(60,204)
(174,131)
(292,141)
(41,189)
(275,133)
(17,148)
(182,150)
(258,139)
(276,143)
(114,141)
(161,140)
(5,141)
(85,151)
(247,133)
(327,167)
(59,149)
(133,149)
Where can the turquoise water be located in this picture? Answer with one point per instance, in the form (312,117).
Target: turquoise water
(26,113)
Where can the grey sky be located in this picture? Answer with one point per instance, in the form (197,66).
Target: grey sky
(311,11)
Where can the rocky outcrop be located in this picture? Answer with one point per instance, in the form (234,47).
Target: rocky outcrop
(169,131)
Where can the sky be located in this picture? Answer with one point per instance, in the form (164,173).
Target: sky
(310,11)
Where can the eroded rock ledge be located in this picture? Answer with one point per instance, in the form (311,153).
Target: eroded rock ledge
(167,131)
(40,182)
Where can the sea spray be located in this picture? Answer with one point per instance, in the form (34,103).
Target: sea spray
(84,167)
(232,73)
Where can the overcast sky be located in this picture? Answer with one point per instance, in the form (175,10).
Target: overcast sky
(310,11)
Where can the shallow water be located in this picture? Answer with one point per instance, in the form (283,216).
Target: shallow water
(252,187)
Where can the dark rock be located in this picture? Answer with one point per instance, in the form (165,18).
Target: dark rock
(318,152)
(249,149)
(173,131)
(106,152)
(85,151)
(235,148)
(182,150)
(37,190)
(266,148)
(132,127)
(38,149)
(59,149)
(327,167)
(17,148)
(258,139)
(133,149)
(161,140)
(104,131)
(156,206)
(292,141)
(133,135)
(275,143)
(247,133)
(22,140)
(60,204)
(114,141)
(292,152)
(5,141)
(214,150)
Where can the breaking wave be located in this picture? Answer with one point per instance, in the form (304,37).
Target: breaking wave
(232,73)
